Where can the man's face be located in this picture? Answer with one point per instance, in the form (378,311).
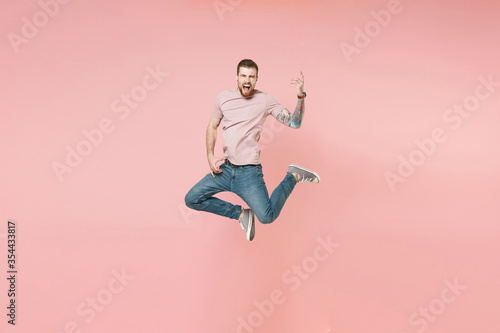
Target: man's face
(246,78)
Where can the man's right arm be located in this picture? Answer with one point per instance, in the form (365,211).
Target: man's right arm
(213,124)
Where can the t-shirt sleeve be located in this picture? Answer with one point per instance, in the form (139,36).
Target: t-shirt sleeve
(217,112)
(273,107)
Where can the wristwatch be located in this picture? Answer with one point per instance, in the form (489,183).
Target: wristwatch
(303,96)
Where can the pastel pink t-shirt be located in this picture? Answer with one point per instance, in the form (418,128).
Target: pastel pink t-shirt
(242,122)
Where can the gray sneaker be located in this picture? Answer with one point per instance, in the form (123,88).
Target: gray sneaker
(305,175)
(247,223)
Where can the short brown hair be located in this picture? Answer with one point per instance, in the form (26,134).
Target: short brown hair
(248,63)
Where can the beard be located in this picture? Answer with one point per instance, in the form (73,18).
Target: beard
(246,89)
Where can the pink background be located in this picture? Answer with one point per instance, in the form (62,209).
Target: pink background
(122,208)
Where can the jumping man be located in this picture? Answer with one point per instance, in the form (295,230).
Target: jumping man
(242,112)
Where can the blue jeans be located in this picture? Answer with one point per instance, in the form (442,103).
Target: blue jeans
(248,183)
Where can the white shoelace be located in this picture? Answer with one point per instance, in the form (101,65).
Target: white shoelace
(303,180)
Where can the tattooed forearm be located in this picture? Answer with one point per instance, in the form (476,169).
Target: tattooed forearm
(296,119)
(292,120)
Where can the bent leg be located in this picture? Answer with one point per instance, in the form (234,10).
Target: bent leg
(201,196)
(282,192)
(250,186)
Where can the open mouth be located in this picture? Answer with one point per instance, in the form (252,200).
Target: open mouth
(246,88)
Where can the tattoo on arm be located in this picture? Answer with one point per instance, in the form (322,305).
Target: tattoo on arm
(293,120)
(284,117)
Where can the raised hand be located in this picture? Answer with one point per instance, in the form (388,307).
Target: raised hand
(299,84)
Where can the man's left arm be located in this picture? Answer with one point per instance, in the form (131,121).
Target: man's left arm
(295,120)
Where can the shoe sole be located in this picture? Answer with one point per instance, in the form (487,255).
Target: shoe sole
(251,230)
(302,168)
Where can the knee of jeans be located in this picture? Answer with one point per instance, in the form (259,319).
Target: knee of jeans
(190,200)
(265,218)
